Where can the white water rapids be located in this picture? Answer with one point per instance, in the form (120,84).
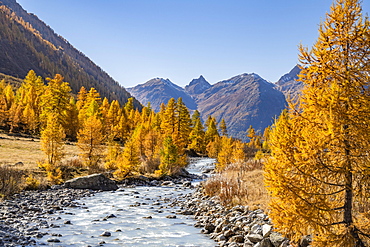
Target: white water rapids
(140,219)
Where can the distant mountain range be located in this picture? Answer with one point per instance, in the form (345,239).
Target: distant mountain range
(28,43)
(242,100)
(159,90)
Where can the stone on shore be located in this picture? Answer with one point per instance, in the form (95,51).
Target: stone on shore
(93,182)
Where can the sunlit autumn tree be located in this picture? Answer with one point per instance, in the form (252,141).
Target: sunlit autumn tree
(55,100)
(169,158)
(319,173)
(90,139)
(52,146)
(128,161)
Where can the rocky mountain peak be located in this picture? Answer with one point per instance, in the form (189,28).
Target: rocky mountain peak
(160,90)
(289,85)
(197,86)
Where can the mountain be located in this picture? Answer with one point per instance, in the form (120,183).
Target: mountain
(159,90)
(197,86)
(289,85)
(242,101)
(28,43)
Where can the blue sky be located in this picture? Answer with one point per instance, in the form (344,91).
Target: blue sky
(137,40)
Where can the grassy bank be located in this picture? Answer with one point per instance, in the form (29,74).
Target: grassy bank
(239,184)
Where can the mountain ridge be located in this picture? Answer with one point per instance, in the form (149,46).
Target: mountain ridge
(159,90)
(242,100)
(28,43)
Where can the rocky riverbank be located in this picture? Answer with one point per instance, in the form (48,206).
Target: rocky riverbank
(234,227)
(23,215)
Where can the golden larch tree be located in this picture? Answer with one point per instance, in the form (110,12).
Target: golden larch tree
(90,139)
(319,172)
(52,145)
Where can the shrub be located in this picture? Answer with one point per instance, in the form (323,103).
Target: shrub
(32,183)
(10,181)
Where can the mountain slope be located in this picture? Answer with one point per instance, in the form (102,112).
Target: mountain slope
(242,101)
(289,85)
(159,90)
(28,43)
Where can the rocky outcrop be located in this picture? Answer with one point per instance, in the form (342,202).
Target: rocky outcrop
(93,182)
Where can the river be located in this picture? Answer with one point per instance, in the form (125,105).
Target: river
(138,216)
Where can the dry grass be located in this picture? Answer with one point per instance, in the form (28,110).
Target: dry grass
(240,184)
(14,149)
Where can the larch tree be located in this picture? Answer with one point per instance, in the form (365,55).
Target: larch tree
(183,128)
(196,137)
(211,132)
(319,172)
(169,118)
(223,127)
(169,158)
(129,160)
(52,145)
(90,139)
(56,100)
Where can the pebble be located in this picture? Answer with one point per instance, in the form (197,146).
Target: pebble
(34,208)
(237,226)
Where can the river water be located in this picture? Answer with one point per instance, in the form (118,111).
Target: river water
(137,216)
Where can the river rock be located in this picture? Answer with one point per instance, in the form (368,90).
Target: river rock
(106,234)
(266,243)
(266,230)
(53,240)
(93,182)
(236,239)
(255,238)
(306,241)
(276,239)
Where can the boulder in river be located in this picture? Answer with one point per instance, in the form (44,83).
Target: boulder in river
(93,182)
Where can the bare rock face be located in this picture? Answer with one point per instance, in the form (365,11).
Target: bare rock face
(93,182)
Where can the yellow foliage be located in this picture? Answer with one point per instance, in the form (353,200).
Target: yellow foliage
(55,176)
(319,169)
(32,183)
(90,140)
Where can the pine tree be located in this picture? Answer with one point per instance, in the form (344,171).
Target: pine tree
(319,171)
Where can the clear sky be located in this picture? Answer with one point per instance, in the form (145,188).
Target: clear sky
(137,40)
